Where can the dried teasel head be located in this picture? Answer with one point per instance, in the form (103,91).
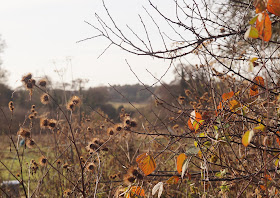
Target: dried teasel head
(30,143)
(67,193)
(128,179)
(118,127)
(90,166)
(58,162)
(24,132)
(26,78)
(110,131)
(52,123)
(133,123)
(42,83)
(133,171)
(44,123)
(45,99)
(75,101)
(11,106)
(43,161)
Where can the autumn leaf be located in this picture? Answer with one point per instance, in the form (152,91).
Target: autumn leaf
(227,96)
(277,138)
(180,161)
(190,125)
(259,80)
(273,6)
(247,137)
(253,20)
(173,180)
(234,104)
(135,191)
(260,6)
(263,26)
(220,106)
(253,92)
(146,163)
(260,127)
(195,121)
(251,32)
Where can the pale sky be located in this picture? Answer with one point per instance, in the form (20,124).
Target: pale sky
(41,37)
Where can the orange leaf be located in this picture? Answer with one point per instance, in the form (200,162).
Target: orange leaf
(134,191)
(268,177)
(260,6)
(273,6)
(180,161)
(264,26)
(263,187)
(146,163)
(195,119)
(220,106)
(173,180)
(277,138)
(253,92)
(227,96)
(190,125)
(259,80)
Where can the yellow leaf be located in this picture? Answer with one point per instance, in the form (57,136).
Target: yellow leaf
(234,105)
(146,163)
(253,20)
(252,32)
(196,124)
(260,127)
(180,161)
(253,59)
(247,137)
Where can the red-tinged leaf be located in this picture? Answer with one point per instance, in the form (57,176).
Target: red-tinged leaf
(227,96)
(180,161)
(262,187)
(260,6)
(173,180)
(190,125)
(263,26)
(273,6)
(195,119)
(220,106)
(247,137)
(268,177)
(253,92)
(277,138)
(146,163)
(259,80)
(135,191)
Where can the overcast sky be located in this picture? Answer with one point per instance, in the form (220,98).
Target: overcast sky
(41,37)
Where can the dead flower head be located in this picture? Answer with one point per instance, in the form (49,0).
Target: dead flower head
(43,161)
(30,143)
(45,98)
(24,132)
